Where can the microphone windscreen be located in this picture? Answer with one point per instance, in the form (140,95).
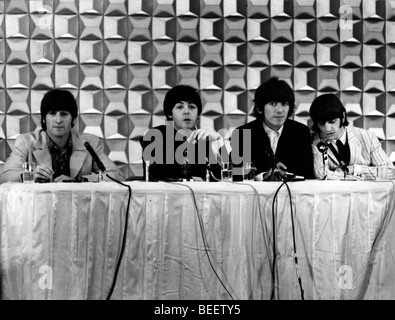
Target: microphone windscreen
(322,147)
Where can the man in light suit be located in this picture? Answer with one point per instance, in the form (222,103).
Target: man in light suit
(352,153)
(58,152)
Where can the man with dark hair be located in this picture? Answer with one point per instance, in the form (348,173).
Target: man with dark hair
(351,151)
(58,152)
(179,150)
(277,144)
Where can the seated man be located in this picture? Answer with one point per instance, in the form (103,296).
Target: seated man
(352,153)
(179,150)
(58,152)
(272,142)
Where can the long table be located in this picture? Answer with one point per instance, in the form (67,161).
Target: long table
(198,240)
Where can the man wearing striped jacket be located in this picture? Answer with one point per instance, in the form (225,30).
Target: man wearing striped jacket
(352,153)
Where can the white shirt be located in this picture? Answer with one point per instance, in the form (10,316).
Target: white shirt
(274,136)
(343,140)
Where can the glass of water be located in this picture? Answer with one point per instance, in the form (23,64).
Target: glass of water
(28,172)
(226,171)
(249,171)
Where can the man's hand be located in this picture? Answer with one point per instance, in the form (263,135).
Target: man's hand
(203,134)
(281,168)
(43,172)
(349,167)
(62,178)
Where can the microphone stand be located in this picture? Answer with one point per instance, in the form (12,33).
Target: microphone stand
(269,153)
(147,163)
(323,148)
(324,158)
(344,167)
(100,176)
(207,170)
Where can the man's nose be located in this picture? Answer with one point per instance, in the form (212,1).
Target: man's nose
(58,117)
(328,127)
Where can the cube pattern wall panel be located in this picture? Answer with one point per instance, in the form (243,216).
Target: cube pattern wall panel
(120,57)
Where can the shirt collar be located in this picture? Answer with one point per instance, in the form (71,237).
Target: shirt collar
(343,138)
(270,131)
(52,144)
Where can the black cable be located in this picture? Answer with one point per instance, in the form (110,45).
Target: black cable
(294,243)
(274,242)
(123,238)
(263,228)
(273,268)
(205,243)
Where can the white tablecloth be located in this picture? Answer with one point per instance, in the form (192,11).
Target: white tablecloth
(62,241)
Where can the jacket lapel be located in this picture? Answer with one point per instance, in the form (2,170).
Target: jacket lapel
(41,153)
(355,145)
(78,155)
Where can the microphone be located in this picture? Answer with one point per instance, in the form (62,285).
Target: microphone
(95,156)
(269,153)
(323,148)
(269,176)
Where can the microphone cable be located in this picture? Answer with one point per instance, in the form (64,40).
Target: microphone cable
(102,168)
(205,242)
(263,228)
(273,266)
(123,238)
(294,243)
(274,243)
(293,239)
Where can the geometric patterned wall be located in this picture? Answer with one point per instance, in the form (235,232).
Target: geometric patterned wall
(120,57)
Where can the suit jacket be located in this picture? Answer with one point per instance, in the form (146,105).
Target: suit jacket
(293,149)
(365,150)
(159,145)
(33,147)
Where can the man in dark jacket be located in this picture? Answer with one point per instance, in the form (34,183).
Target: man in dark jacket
(272,142)
(179,150)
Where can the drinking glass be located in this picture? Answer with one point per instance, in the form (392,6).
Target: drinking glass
(28,172)
(226,171)
(248,171)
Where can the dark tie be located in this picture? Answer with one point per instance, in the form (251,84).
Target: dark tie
(344,151)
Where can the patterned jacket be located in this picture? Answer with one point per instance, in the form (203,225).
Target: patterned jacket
(365,150)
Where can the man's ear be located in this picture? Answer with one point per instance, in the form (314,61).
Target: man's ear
(342,120)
